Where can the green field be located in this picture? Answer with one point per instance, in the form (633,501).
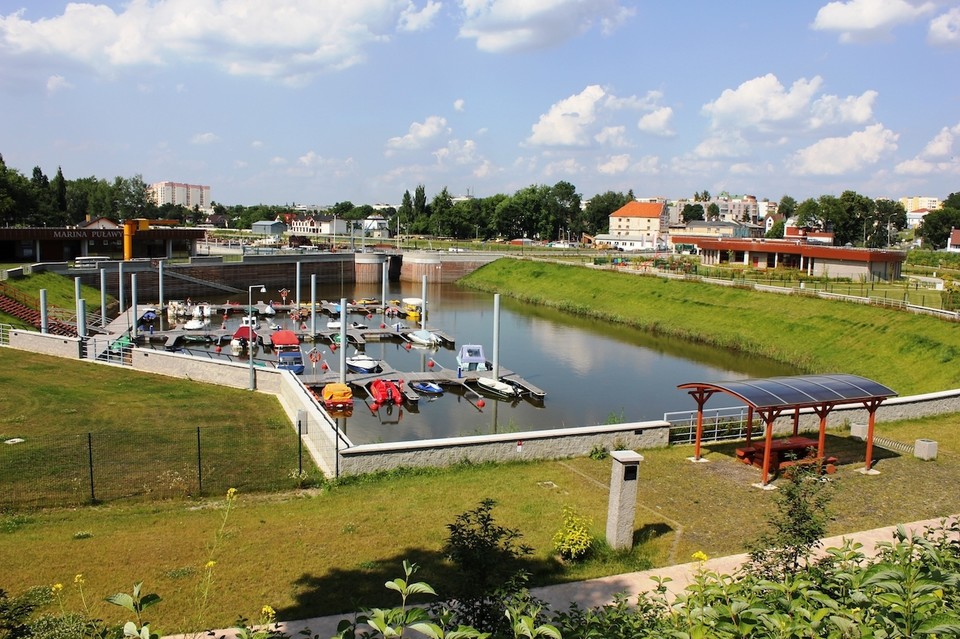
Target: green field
(140,432)
(910,353)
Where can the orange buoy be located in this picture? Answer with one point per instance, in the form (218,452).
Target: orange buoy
(218,349)
(323,366)
(430,364)
(382,325)
(481,403)
(407,346)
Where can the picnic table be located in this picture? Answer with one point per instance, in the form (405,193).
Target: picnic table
(790,451)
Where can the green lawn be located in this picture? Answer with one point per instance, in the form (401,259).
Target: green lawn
(140,431)
(910,353)
(324,551)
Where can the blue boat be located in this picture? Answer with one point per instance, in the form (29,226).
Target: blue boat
(427,388)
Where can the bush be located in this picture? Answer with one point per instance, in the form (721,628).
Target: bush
(573,541)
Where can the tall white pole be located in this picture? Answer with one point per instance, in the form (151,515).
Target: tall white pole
(313,306)
(44,320)
(103,297)
(298,284)
(76,300)
(343,340)
(160,285)
(383,284)
(133,305)
(496,336)
(423,302)
(120,296)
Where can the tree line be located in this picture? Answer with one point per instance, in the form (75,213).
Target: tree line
(539,212)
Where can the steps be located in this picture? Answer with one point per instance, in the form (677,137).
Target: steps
(31,316)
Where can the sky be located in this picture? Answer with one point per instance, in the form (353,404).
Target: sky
(324,101)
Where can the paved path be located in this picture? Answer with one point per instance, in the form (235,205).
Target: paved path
(597,592)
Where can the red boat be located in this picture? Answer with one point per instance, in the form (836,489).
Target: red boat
(384,391)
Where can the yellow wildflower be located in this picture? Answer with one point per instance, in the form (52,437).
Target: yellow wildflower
(210,564)
(56,588)
(78,579)
(267,612)
(700,556)
(232,493)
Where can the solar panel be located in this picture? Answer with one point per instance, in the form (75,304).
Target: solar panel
(799,390)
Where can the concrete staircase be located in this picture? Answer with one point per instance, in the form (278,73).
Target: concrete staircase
(18,308)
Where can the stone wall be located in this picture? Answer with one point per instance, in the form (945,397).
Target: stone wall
(45,343)
(541,444)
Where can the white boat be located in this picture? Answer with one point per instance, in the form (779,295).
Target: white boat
(334,325)
(362,363)
(266,309)
(424,338)
(496,387)
(194,324)
(242,339)
(250,321)
(472,358)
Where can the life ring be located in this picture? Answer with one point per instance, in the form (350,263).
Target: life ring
(315,356)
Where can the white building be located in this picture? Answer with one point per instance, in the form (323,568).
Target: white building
(177,193)
(917,202)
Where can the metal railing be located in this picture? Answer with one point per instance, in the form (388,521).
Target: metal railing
(718,424)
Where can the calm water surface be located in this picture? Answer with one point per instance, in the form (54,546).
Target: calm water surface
(592,372)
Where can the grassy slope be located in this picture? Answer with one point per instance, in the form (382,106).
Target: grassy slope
(909,353)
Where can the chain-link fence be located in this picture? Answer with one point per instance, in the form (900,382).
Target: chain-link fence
(180,462)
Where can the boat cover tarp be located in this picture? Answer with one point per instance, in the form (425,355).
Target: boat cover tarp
(283,338)
(337,392)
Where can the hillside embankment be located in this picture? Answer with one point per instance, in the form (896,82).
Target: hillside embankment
(910,353)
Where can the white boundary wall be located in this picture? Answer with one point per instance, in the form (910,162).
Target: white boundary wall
(327,449)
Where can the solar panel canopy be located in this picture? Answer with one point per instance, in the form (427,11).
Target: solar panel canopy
(800,390)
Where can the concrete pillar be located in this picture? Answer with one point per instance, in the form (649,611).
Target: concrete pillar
(622,505)
(44,320)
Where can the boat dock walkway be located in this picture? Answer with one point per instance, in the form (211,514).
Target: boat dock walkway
(437,374)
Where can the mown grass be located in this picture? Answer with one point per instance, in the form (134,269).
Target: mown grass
(143,429)
(330,550)
(910,353)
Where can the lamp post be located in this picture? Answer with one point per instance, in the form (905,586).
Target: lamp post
(250,340)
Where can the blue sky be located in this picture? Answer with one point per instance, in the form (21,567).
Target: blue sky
(319,101)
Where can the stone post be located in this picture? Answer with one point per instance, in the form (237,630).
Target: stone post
(623,498)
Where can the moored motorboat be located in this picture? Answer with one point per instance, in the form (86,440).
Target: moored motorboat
(472,358)
(362,363)
(242,338)
(366,301)
(497,387)
(424,337)
(194,324)
(337,397)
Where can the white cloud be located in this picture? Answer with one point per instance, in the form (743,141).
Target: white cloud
(568,166)
(418,134)
(614,165)
(830,109)
(204,138)
(278,161)
(412,19)
(57,83)
(862,20)
(507,25)
(762,102)
(938,156)
(567,123)
(648,164)
(657,122)
(257,144)
(725,144)
(486,169)
(459,105)
(612,136)
(840,155)
(945,29)
(457,152)
(287,40)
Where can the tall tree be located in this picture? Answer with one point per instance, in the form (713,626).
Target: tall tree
(691,212)
(787,207)
(936,225)
(713,211)
(596,218)
(405,212)
(808,214)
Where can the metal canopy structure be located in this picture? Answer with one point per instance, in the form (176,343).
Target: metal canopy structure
(771,397)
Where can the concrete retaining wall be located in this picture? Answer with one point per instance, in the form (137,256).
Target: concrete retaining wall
(540,444)
(326,445)
(45,343)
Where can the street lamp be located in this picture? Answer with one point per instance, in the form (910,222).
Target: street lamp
(263,289)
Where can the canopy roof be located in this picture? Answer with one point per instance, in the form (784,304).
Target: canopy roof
(798,391)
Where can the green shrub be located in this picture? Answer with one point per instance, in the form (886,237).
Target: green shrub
(573,541)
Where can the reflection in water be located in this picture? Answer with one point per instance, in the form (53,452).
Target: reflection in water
(593,372)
